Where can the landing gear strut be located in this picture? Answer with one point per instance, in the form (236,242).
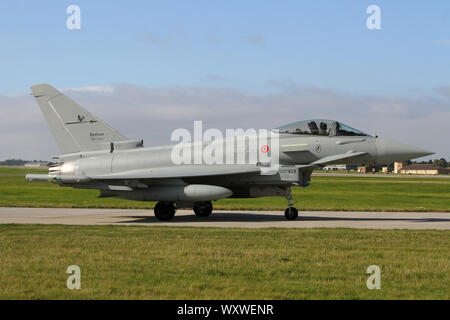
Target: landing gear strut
(164,211)
(290,213)
(203,209)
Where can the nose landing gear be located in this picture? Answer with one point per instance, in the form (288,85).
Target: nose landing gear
(291,213)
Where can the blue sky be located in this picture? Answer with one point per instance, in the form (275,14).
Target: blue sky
(234,64)
(239,44)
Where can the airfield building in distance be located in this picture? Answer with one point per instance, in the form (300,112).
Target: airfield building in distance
(398,166)
(417,168)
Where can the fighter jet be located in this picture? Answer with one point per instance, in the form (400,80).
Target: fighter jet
(95,156)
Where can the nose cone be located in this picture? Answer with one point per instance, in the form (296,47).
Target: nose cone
(391,151)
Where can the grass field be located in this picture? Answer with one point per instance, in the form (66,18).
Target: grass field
(120,262)
(195,263)
(325,193)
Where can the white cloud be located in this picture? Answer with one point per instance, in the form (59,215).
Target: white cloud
(150,37)
(214,77)
(442,42)
(444,90)
(257,39)
(99,89)
(210,37)
(388,108)
(152,113)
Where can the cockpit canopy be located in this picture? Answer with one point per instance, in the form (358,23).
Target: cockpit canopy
(321,128)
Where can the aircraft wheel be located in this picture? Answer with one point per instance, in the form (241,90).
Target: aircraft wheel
(203,209)
(291,213)
(164,211)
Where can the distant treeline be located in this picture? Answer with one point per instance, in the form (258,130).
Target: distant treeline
(19,162)
(438,162)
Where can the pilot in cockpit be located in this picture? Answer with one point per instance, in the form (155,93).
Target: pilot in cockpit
(323,128)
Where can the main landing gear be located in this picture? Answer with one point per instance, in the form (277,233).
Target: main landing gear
(203,209)
(164,210)
(290,213)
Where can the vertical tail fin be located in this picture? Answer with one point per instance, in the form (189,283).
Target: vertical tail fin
(75,129)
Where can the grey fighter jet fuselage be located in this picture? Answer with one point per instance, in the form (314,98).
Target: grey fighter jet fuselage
(95,156)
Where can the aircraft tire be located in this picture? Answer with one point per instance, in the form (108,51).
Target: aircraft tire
(164,211)
(203,210)
(291,213)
